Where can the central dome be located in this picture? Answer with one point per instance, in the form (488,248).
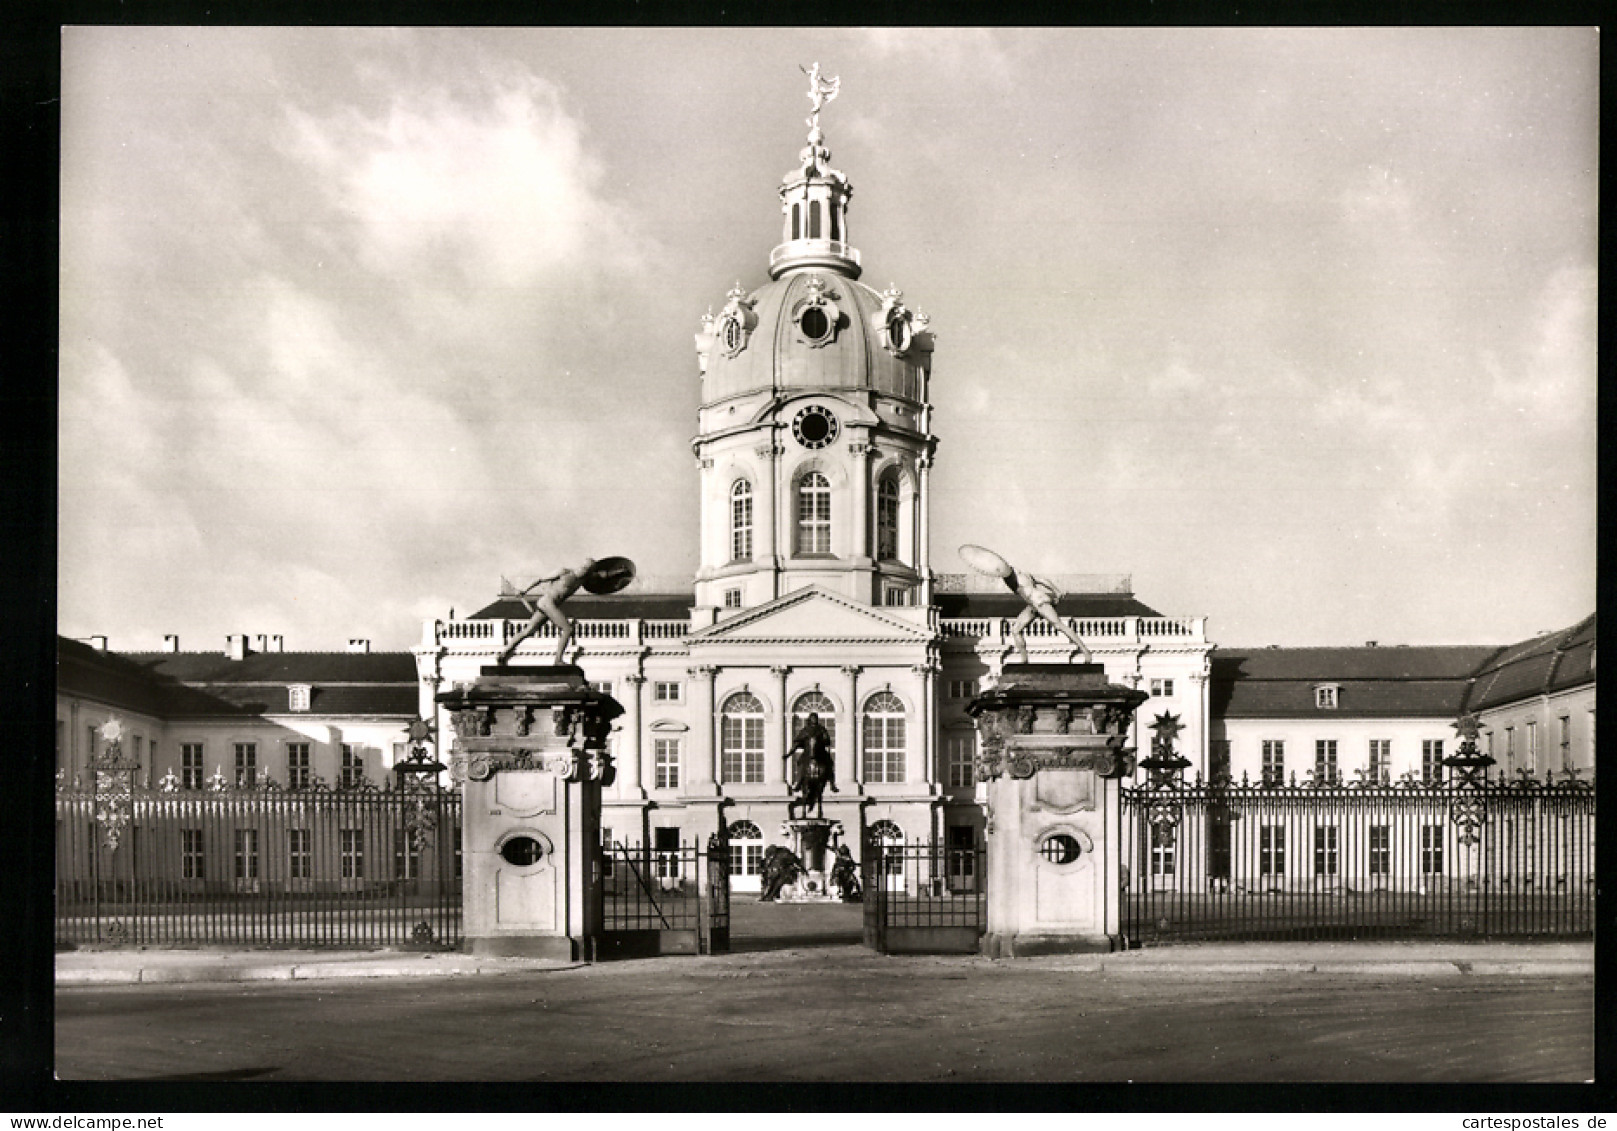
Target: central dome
(815,330)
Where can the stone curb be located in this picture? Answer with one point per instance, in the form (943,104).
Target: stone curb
(306,972)
(330,971)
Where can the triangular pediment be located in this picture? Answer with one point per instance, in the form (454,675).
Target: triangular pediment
(813,615)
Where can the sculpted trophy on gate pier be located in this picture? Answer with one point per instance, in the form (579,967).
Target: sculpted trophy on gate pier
(1038,595)
(608,575)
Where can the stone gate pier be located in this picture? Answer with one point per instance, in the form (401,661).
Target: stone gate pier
(1052,755)
(530,755)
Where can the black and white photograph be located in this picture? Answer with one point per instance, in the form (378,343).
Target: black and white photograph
(785,556)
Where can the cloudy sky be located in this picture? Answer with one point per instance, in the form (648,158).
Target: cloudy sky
(1297,327)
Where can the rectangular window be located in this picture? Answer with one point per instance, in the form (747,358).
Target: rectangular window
(1431,761)
(297,854)
(1381,850)
(1325,698)
(247,854)
(297,697)
(1274,762)
(962,688)
(190,765)
(297,765)
(741,526)
(1431,850)
(604,686)
(1510,748)
(665,762)
(962,853)
(665,843)
(89,748)
(1325,760)
(1218,757)
(732,598)
(741,738)
(406,855)
(351,845)
(1162,688)
(246,764)
(814,515)
(1532,745)
(1566,742)
(884,748)
(607,855)
(896,596)
(137,744)
(1272,850)
(1381,760)
(192,865)
(353,766)
(1324,850)
(1162,850)
(667,691)
(962,751)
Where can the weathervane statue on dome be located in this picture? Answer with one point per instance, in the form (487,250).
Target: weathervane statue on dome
(821,91)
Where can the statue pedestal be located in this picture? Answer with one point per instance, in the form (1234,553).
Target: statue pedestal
(530,757)
(1054,746)
(813,839)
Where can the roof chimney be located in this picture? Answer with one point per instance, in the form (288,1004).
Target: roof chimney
(171,642)
(99,643)
(277,643)
(236,646)
(1369,643)
(358,644)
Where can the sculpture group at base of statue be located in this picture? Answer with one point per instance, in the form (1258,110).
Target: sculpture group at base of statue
(782,867)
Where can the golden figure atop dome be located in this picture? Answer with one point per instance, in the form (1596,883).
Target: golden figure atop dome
(821,91)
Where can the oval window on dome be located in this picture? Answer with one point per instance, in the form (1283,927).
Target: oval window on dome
(898,332)
(814,323)
(734,337)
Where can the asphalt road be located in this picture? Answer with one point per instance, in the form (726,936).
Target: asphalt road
(837,1013)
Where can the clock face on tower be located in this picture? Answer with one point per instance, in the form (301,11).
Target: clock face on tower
(815,426)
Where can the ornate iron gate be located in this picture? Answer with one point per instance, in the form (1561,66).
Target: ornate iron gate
(922,897)
(668,900)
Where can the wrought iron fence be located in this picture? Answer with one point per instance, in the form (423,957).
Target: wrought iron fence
(260,865)
(922,895)
(1323,859)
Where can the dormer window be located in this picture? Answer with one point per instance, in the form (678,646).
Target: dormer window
(1325,696)
(297,696)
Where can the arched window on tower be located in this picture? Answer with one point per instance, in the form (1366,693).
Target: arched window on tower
(815,703)
(741,739)
(741,521)
(814,514)
(797,221)
(887,518)
(884,739)
(814,219)
(836,227)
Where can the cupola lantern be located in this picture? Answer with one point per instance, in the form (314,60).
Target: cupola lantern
(814,201)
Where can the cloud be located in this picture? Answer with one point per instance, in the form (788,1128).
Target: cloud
(495,185)
(1554,384)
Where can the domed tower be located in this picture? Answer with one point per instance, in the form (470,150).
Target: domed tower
(813,438)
